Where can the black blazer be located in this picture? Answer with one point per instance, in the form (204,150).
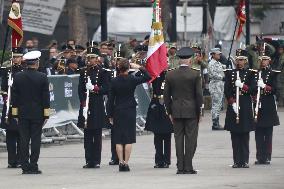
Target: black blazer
(30,95)
(122,90)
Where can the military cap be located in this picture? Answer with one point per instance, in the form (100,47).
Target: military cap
(93,52)
(71,60)
(265,55)
(139,48)
(241,54)
(67,47)
(32,57)
(215,51)
(79,48)
(18,51)
(185,53)
(147,37)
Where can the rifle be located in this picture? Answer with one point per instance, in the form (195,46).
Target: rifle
(238,99)
(10,79)
(257,99)
(87,104)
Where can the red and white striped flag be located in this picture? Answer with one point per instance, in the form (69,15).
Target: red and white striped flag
(157,51)
(15,22)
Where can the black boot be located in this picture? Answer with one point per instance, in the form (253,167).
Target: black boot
(216,125)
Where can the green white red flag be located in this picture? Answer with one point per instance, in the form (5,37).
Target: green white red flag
(15,22)
(157,50)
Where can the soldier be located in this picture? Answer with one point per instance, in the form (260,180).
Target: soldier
(216,86)
(159,123)
(12,129)
(239,119)
(183,100)
(280,77)
(72,66)
(266,114)
(98,85)
(128,49)
(172,58)
(30,107)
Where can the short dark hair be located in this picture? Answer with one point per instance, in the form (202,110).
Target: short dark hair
(123,64)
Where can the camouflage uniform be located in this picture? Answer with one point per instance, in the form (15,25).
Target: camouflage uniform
(173,61)
(216,88)
(280,80)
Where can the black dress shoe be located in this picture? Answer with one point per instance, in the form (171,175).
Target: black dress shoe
(36,172)
(217,128)
(159,166)
(190,171)
(179,172)
(97,166)
(236,165)
(121,167)
(166,165)
(12,166)
(126,168)
(88,166)
(25,172)
(112,162)
(245,165)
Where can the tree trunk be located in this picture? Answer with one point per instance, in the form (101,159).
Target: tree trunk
(166,17)
(78,29)
(212,8)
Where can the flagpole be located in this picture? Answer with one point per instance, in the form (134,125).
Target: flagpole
(233,39)
(5,44)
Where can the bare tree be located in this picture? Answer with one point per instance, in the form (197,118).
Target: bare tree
(166,16)
(78,28)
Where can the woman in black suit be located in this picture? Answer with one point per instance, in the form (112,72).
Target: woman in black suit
(121,109)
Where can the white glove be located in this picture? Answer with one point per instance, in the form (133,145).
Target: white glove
(85,112)
(89,86)
(234,105)
(261,84)
(239,84)
(10,82)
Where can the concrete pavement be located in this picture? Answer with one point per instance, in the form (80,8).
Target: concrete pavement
(62,166)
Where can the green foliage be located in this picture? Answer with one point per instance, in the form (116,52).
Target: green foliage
(7,55)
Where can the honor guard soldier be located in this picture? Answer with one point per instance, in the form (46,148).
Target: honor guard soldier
(93,85)
(216,86)
(240,84)
(7,122)
(160,124)
(265,110)
(30,107)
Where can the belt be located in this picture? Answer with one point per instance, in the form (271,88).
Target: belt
(158,96)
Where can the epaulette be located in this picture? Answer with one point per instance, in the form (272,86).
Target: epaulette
(106,69)
(3,93)
(253,70)
(196,69)
(171,69)
(225,70)
(276,71)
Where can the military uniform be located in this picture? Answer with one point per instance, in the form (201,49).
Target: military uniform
(11,126)
(267,114)
(216,89)
(240,130)
(30,104)
(96,110)
(183,100)
(159,123)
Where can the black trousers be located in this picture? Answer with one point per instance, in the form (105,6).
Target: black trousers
(13,146)
(30,131)
(93,145)
(263,139)
(240,144)
(114,156)
(162,144)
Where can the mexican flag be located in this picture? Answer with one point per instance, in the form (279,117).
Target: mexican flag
(15,22)
(157,50)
